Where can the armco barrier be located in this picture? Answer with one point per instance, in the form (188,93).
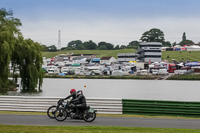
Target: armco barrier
(156,107)
(41,104)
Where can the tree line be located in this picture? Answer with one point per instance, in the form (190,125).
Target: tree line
(153,35)
(23,54)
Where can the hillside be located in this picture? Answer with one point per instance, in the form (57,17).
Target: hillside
(99,53)
(177,55)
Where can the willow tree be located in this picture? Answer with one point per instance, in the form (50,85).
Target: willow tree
(25,54)
(28,58)
(9,31)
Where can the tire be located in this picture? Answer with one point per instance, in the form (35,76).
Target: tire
(89,117)
(60,114)
(50,111)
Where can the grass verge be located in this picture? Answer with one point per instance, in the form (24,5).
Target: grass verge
(184,77)
(146,77)
(89,129)
(103,115)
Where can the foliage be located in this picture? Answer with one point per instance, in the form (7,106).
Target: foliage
(52,48)
(90,45)
(9,32)
(117,47)
(186,42)
(29,63)
(166,44)
(184,37)
(74,44)
(122,46)
(153,35)
(105,46)
(24,54)
(133,45)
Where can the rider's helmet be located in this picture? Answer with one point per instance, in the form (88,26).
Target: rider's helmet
(72,90)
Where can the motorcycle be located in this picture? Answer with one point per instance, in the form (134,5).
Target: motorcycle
(88,115)
(51,110)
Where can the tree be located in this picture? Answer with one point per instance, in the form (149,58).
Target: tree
(133,45)
(44,48)
(52,48)
(117,47)
(81,47)
(25,54)
(9,31)
(90,45)
(105,46)
(122,47)
(102,47)
(30,63)
(74,44)
(185,41)
(184,37)
(166,44)
(153,35)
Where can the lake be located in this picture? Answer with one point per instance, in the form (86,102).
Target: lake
(127,89)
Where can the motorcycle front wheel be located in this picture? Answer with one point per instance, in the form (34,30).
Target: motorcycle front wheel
(89,117)
(50,111)
(60,114)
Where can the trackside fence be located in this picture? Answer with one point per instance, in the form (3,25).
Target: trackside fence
(157,107)
(105,105)
(41,104)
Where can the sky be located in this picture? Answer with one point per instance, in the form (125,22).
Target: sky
(114,21)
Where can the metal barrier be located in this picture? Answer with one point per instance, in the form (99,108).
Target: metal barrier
(41,104)
(156,107)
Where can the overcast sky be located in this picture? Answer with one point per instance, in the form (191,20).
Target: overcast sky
(115,21)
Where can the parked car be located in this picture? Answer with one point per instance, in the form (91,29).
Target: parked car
(183,70)
(190,71)
(179,72)
(144,72)
(154,71)
(162,72)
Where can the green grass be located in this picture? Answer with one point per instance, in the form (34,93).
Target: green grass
(177,55)
(181,55)
(89,129)
(184,77)
(104,115)
(99,53)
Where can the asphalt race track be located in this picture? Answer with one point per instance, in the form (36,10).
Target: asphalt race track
(7,119)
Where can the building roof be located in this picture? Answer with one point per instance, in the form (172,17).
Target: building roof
(106,58)
(126,54)
(150,43)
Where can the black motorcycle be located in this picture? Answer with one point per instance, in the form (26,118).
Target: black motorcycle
(51,110)
(88,115)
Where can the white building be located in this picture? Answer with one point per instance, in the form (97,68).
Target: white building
(108,60)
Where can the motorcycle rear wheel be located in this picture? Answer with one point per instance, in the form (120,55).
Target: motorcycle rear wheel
(51,111)
(60,114)
(89,117)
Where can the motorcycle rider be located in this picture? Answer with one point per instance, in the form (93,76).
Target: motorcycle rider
(72,94)
(81,101)
(78,100)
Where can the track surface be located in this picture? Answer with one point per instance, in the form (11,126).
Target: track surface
(6,119)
